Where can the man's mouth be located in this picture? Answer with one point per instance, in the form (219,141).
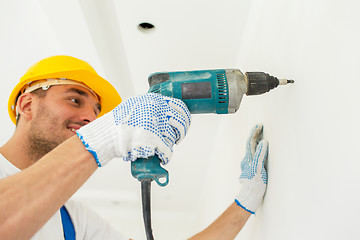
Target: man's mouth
(73,128)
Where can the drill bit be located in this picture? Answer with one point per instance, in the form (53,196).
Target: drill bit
(285,81)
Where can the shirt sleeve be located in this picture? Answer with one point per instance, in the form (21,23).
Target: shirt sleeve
(89,225)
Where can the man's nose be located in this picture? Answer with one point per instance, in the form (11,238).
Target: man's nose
(88,115)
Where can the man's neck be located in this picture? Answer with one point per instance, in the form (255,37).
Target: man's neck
(16,152)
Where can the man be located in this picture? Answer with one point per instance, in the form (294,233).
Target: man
(69,123)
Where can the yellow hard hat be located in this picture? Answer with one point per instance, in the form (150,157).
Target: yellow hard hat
(70,68)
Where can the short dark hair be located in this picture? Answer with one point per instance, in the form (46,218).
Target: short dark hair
(40,93)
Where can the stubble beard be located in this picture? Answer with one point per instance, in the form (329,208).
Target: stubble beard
(38,147)
(43,137)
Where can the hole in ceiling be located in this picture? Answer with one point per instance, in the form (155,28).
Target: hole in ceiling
(146,27)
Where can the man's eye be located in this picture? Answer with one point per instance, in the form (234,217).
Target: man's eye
(75,100)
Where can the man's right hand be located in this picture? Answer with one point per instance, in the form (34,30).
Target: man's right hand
(140,127)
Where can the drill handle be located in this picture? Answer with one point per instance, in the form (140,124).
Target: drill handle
(149,168)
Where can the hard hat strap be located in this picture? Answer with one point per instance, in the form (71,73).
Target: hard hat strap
(47,83)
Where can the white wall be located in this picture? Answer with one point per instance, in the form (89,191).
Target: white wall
(312,126)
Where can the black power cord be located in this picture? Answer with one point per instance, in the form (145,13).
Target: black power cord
(145,196)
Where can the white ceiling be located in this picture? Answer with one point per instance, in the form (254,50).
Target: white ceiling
(188,35)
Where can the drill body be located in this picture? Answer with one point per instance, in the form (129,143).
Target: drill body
(217,91)
(204,91)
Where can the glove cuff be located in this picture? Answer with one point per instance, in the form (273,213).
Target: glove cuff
(98,138)
(251,196)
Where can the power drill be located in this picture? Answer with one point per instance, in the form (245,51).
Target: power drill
(204,91)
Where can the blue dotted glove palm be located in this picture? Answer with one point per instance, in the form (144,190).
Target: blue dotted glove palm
(140,127)
(253,173)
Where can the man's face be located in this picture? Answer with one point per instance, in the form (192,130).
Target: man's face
(63,110)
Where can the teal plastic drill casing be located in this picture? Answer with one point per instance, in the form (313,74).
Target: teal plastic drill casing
(201,91)
(204,91)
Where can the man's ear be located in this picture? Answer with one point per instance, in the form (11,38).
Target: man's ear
(25,105)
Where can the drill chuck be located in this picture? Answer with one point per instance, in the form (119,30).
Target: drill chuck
(260,82)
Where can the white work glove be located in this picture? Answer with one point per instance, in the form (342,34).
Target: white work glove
(253,176)
(140,127)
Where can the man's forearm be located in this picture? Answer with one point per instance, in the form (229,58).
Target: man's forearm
(30,198)
(227,226)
